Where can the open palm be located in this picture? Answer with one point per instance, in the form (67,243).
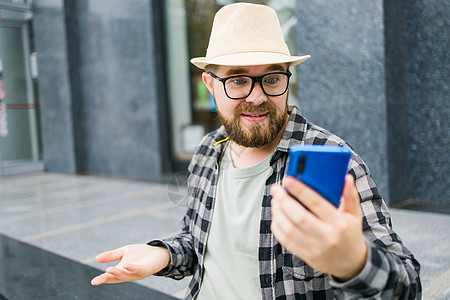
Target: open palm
(136,262)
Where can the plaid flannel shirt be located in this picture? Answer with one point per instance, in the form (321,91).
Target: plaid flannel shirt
(390,272)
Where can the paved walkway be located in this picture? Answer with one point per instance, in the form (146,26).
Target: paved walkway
(79,216)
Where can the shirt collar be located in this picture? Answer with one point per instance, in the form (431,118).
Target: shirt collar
(294,132)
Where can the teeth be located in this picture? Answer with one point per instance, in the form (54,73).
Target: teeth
(256,115)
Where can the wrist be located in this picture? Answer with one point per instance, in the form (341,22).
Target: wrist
(163,253)
(356,265)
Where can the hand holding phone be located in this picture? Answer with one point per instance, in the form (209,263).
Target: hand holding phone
(323,168)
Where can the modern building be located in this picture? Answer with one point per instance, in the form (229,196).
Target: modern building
(105,87)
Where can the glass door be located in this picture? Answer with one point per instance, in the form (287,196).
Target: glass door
(192,108)
(19,149)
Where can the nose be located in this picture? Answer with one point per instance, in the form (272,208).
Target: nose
(257,95)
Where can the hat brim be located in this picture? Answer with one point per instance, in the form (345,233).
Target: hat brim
(249,59)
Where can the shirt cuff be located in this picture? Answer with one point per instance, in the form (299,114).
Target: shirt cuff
(372,278)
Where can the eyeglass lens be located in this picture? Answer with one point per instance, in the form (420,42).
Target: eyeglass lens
(241,86)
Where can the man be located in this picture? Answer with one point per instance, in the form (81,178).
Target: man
(244,236)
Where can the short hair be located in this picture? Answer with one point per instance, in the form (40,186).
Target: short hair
(211,68)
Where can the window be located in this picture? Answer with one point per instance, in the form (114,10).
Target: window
(192,109)
(20,149)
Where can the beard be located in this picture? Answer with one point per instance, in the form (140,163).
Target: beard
(257,135)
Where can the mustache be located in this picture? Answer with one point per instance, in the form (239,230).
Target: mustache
(248,107)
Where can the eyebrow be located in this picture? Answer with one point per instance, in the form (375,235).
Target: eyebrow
(278,67)
(236,71)
(240,71)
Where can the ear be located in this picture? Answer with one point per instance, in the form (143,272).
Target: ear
(207,80)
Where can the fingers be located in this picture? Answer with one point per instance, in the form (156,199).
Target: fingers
(115,275)
(297,229)
(350,197)
(110,256)
(104,278)
(289,216)
(320,207)
(292,205)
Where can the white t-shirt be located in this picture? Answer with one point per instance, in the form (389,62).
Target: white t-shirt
(231,258)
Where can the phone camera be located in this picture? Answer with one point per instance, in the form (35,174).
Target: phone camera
(301,164)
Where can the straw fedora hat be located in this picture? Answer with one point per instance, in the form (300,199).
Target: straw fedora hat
(245,34)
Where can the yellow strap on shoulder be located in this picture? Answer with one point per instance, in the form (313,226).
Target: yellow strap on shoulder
(221,141)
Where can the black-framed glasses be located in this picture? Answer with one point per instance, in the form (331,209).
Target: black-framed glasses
(241,86)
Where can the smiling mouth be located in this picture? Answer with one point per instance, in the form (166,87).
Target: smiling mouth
(255,115)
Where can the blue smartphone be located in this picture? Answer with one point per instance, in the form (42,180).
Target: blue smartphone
(323,168)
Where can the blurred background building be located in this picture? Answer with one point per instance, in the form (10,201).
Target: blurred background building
(104,87)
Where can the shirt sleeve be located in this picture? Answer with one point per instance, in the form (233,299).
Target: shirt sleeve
(182,256)
(391,271)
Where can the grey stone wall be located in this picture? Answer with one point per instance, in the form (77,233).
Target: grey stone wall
(397,102)
(342,86)
(378,77)
(417,59)
(54,86)
(113,88)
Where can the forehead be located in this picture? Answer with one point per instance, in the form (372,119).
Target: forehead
(251,70)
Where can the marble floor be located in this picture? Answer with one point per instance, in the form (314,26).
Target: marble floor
(77,217)
(34,273)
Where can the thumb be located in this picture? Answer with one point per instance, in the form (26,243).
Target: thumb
(350,197)
(110,256)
